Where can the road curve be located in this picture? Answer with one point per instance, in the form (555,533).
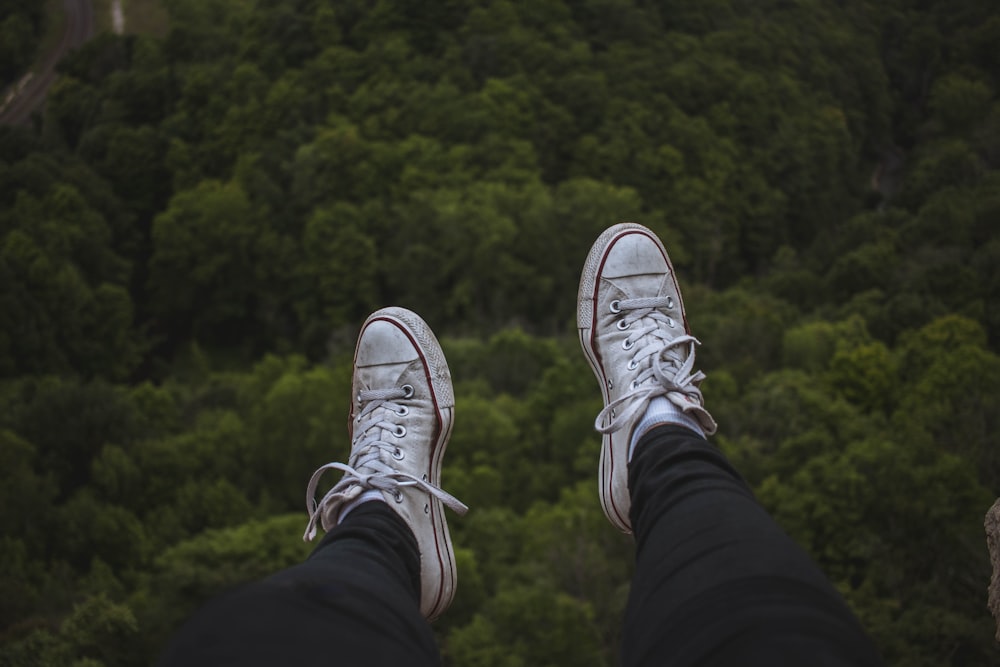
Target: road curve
(79,28)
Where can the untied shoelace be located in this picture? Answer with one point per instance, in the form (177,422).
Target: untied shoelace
(668,360)
(369,467)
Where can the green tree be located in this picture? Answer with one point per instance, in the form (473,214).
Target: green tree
(19,39)
(66,304)
(204,277)
(337,279)
(879,517)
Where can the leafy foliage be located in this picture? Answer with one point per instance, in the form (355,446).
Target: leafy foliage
(190,239)
(21,28)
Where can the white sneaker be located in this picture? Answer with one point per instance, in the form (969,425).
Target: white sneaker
(400,422)
(636,338)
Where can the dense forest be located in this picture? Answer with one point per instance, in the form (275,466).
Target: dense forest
(21,26)
(194,229)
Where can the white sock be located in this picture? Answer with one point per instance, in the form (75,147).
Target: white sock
(369,495)
(661,411)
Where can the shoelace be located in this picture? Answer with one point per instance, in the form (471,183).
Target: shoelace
(369,468)
(669,362)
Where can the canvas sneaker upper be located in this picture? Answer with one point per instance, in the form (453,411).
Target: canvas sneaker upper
(400,422)
(635,335)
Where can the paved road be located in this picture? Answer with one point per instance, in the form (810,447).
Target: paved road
(79,28)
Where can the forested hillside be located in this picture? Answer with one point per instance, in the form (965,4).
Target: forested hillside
(192,233)
(21,27)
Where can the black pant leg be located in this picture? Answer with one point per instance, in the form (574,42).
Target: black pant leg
(717,582)
(355,601)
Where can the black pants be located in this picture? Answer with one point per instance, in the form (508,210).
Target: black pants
(716,583)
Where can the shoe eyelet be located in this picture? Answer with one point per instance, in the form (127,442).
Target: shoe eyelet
(399,431)
(403,411)
(671,323)
(359,398)
(397,495)
(407,391)
(628,344)
(398,454)
(623,325)
(424,477)
(632,365)
(670,302)
(633,385)
(611,384)
(613,415)
(427,508)
(616,306)
(358,420)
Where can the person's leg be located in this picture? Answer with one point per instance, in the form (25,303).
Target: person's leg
(717,582)
(386,564)
(355,601)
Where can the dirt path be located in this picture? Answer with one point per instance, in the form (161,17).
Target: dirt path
(79,28)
